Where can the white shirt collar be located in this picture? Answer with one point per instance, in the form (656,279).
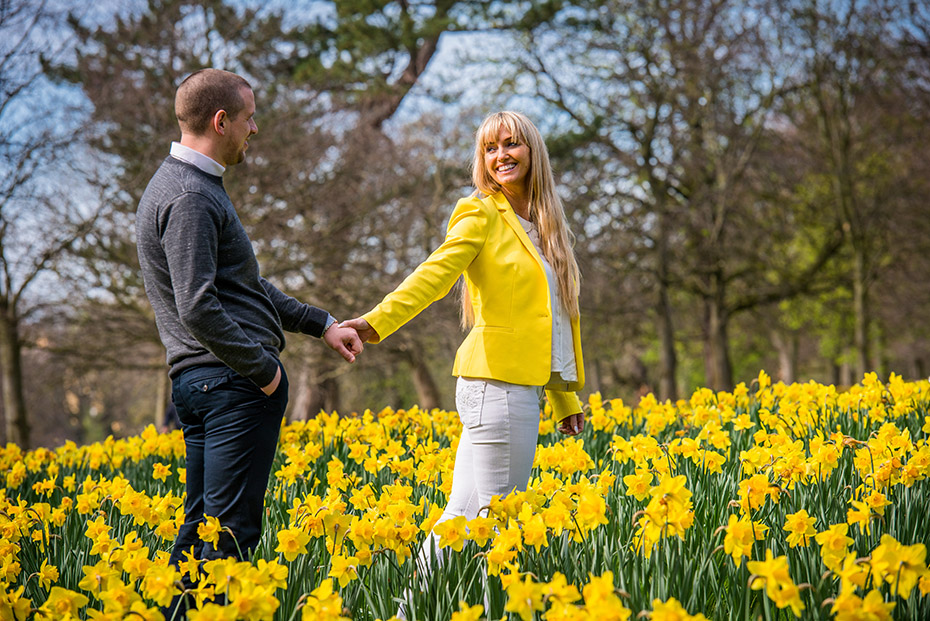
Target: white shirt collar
(196,158)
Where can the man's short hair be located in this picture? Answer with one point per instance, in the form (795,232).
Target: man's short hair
(205,92)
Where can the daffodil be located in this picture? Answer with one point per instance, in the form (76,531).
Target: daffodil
(63,603)
(209,530)
(452,533)
(524,598)
(481,529)
(861,515)
(672,610)
(800,528)
(323,603)
(212,612)
(772,575)
(467,613)
(851,607)
(601,599)
(898,565)
(160,471)
(742,533)
(343,569)
(291,542)
(161,584)
(638,484)
(558,589)
(47,574)
(118,598)
(13,605)
(833,545)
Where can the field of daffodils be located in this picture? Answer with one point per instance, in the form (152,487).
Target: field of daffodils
(771,502)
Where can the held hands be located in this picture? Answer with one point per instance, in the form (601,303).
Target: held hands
(364,329)
(572,425)
(342,339)
(345,340)
(361,330)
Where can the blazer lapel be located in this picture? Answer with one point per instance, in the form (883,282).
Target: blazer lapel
(510,217)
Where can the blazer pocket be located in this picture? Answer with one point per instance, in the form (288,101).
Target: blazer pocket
(503,329)
(469,400)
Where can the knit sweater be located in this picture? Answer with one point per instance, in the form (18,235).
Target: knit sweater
(202,278)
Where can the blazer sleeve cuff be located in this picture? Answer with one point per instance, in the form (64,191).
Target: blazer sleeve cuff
(564,404)
(380,323)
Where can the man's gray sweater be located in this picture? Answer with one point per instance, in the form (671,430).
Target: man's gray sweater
(201,276)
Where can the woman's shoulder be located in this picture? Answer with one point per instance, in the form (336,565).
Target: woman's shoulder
(474,202)
(478,200)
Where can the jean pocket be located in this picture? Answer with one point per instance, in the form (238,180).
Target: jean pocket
(469,400)
(210,383)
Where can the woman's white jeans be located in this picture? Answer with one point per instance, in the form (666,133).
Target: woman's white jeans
(500,426)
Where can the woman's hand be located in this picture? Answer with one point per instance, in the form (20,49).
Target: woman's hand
(572,425)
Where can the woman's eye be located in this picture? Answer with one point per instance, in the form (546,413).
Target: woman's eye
(489,148)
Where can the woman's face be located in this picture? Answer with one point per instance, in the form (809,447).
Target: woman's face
(507,161)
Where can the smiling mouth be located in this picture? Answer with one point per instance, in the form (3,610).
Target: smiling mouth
(506,167)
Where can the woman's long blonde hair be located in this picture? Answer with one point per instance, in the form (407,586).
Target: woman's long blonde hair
(546,212)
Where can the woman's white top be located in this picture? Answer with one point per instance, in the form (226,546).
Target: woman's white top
(563,351)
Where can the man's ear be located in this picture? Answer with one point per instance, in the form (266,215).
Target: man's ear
(219,122)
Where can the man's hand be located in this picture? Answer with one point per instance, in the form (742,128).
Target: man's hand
(572,425)
(364,329)
(273,386)
(344,340)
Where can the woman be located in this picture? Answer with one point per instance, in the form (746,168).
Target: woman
(520,300)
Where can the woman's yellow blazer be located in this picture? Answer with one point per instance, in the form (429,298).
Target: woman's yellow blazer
(511,340)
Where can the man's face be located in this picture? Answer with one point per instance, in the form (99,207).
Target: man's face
(240,129)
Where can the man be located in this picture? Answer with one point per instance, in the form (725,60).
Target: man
(221,322)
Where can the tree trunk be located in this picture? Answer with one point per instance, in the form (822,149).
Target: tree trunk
(846,375)
(787,348)
(300,404)
(322,383)
(668,361)
(837,133)
(716,343)
(861,310)
(11,369)
(423,382)
(162,394)
(593,375)
(323,396)
(835,374)
(880,361)
(918,368)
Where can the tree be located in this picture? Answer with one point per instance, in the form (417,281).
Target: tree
(42,212)
(675,98)
(321,190)
(854,59)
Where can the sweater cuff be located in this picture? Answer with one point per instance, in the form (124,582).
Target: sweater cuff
(330,320)
(269,370)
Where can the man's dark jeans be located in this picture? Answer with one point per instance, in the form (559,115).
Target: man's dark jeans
(231,432)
